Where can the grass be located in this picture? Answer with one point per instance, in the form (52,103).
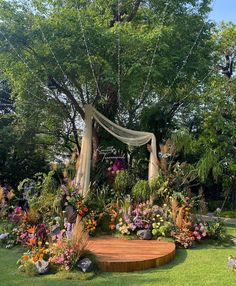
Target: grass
(205,265)
(228,214)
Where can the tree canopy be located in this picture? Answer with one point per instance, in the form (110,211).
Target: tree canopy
(160,66)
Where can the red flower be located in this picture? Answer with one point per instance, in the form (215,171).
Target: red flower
(85,209)
(81,213)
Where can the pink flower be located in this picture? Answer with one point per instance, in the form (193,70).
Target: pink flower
(61,259)
(18,210)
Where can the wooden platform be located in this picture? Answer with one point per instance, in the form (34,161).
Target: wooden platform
(120,255)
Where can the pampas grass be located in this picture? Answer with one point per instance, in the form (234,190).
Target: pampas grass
(79,235)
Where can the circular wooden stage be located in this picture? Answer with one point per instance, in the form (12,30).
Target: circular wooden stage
(120,255)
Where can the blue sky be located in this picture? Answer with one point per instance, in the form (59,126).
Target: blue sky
(224,10)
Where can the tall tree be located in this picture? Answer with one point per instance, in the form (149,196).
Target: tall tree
(118,55)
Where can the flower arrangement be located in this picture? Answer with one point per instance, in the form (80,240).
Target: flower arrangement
(116,166)
(186,231)
(199,231)
(17,215)
(184,237)
(37,256)
(65,254)
(31,235)
(90,223)
(161,226)
(144,216)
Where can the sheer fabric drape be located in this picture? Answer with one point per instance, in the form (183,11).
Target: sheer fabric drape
(127,136)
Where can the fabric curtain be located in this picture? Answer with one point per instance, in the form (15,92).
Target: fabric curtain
(127,136)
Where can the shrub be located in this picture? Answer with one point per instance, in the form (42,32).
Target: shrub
(124,181)
(29,268)
(216,229)
(141,190)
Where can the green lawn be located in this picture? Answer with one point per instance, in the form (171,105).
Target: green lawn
(204,265)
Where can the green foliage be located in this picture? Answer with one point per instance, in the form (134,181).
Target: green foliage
(141,191)
(124,181)
(214,204)
(209,163)
(156,183)
(29,268)
(216,230)
(183,141)
(27,27)
(41,193)
(161,228)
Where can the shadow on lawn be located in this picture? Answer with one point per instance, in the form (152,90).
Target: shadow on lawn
(142,277)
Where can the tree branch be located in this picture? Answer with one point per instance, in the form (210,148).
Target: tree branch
(70,97)
(119,17)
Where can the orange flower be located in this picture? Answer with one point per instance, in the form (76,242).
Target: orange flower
(32,241)
(112,226)
(32,230)
(39,243)
(25,257)
(35,258)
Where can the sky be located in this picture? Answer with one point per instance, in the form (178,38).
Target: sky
(224,10)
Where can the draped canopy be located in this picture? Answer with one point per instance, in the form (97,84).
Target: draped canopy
(127,136)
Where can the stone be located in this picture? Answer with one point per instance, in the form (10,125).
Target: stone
(42,266)
(70,214)
(3,235)
(56,230)
(232,262)
(144,234)
(85,265)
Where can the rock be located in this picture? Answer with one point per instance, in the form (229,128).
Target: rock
(86,265)
(56,230)
(144,234)
(42,266)
(232,262)
(157,209)
(70,214)
(3,235)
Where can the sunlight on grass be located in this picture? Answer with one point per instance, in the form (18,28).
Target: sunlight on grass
(204,265)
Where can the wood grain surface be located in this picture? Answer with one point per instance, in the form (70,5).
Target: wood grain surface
(120,255)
